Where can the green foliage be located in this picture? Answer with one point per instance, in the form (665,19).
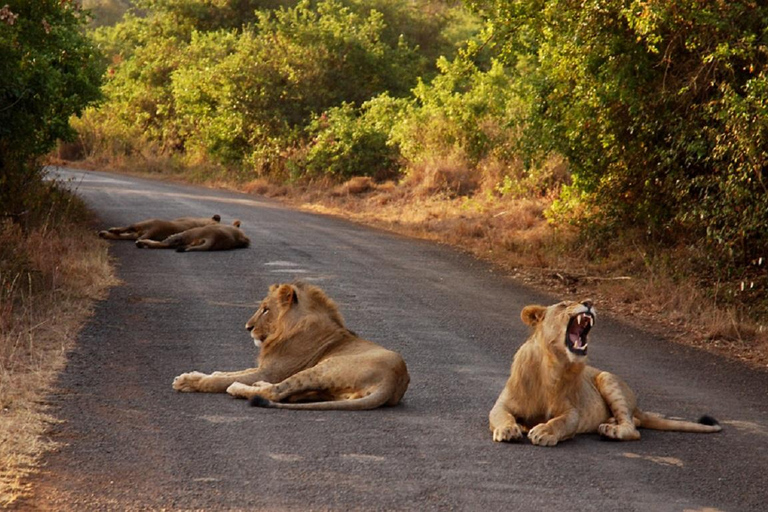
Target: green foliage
(463,109)
(184,79)
(48,72)
(657,106)
(347,142)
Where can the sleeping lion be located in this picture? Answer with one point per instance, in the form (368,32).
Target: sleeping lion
(552,394)
(308,359)
(214,237)
(157,229)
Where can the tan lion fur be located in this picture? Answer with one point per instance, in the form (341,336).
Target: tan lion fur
(157,229)
(552,394)
(308,355)
(214,237)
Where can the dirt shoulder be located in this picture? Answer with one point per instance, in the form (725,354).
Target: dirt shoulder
(51,276)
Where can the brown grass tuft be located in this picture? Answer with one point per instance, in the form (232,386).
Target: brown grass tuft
(259,186)
(451,176)
(355,186)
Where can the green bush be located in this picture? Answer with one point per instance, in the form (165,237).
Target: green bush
(463,109)
(657,106)
(48,71)
(347,142)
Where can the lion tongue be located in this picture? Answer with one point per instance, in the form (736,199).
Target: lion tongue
(575,340)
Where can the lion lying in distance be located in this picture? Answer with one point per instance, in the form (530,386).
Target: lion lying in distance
(307,355)
(214,237)
(553,395)
(157,229)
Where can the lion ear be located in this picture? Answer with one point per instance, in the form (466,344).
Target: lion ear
(532,315)
(287,295)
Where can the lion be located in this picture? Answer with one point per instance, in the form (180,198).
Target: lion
(552,394)
(308,359)
(214,237)
(157,229)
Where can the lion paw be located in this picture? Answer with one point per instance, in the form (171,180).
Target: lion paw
(239,390)
(507,433)
(188,381)
(622,432)
(541,435)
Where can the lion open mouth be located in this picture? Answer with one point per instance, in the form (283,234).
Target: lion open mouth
(576,335)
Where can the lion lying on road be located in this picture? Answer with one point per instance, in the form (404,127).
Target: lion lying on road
(156,229)
(553,395)
(308,355)
(214,237)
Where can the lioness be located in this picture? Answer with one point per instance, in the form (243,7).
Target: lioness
(214,237)
(553,395)
(156,229)
(308,355)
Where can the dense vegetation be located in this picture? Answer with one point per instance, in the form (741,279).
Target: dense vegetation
(661,110)
(658,109)
(48,72)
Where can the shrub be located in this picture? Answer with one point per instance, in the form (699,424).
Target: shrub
(347,142)
(48,72)
(658,108)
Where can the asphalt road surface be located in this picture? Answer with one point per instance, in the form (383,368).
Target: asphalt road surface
(132,443)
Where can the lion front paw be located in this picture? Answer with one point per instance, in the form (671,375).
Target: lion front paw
(188,381)
(541,435)
(507,433)
(240,390)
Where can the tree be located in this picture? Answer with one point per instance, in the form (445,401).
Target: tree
(49,71)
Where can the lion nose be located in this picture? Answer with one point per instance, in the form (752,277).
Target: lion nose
(587,303)
(248,328)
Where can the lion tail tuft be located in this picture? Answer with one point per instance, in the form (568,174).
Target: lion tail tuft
(260,401)
(708,420)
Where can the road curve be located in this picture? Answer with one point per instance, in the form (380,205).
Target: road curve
(131,443)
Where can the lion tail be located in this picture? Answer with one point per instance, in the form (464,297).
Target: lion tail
(706,424)
(376,399)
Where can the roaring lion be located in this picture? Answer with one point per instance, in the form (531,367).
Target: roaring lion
(308,359)
(214,237)
(157,229)
(552,394)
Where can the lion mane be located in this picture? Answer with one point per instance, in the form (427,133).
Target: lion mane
(552,394)
(308,359)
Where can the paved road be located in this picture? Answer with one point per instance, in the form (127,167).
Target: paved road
(132,443)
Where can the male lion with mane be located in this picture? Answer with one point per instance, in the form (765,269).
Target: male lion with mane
(157,229)
(308,359)
(552,394)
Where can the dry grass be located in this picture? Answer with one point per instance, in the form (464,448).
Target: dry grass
(49,278)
